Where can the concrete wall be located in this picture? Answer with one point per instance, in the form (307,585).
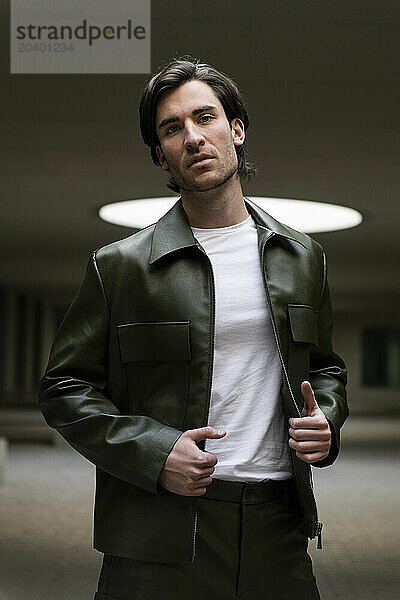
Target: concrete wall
(347,339)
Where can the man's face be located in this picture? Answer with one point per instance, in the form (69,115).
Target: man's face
(197,143)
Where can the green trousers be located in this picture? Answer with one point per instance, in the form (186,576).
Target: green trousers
(250,544)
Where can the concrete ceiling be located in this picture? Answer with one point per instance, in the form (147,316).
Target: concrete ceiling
(322,86)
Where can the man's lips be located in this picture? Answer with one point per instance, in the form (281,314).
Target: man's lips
(200,160)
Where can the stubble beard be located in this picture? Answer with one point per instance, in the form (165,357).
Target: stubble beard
(206,186)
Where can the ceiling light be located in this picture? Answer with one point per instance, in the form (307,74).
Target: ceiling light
(303,215)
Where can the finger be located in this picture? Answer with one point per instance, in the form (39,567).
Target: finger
(310,434)
(203,433)
(206,471)
(204,481)
(305,447)
(205,460)
(310,403)
(316,422)
(199,491)
(311,457)
(199,472)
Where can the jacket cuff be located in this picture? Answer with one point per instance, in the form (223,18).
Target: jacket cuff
(333,452)
(167,437)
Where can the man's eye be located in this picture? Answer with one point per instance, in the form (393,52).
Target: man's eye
(171,129)
(206,118)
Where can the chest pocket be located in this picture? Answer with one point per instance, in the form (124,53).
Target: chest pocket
(156,358)
(303,323)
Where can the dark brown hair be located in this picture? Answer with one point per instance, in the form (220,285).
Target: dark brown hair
(172,76)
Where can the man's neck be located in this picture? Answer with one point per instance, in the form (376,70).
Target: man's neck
(220,207)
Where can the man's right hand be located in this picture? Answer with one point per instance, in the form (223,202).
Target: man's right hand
(187,470)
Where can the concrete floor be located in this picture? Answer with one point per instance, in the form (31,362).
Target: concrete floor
(46,520)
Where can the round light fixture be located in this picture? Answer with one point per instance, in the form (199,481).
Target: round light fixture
(303,215)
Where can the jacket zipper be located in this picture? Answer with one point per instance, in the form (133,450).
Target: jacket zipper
(318,525)
(194,536)
(205,420)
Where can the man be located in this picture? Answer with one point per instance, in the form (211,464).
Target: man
(195,370)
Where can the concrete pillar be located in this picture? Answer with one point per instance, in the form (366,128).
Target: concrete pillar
(10,343)
(47,333)
(3,458)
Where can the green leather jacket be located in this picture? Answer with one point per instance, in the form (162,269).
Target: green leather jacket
(131,368)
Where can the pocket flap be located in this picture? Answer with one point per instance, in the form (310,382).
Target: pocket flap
(155,341)
(304,323)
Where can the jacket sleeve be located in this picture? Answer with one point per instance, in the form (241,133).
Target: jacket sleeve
(73,395)
(328,375)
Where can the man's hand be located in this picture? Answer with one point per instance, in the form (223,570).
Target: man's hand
(310,435)
(187,470)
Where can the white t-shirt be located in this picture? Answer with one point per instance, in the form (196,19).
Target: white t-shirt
(247,373)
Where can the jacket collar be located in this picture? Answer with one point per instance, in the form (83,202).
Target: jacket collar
(173,232)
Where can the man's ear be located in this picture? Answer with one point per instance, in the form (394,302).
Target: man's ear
(161,159)
(237,130)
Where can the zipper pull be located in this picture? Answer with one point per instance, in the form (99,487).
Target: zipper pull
(318,531)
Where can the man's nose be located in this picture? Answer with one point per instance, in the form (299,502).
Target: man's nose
(193,136)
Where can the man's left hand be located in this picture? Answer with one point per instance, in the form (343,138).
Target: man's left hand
(310,434)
